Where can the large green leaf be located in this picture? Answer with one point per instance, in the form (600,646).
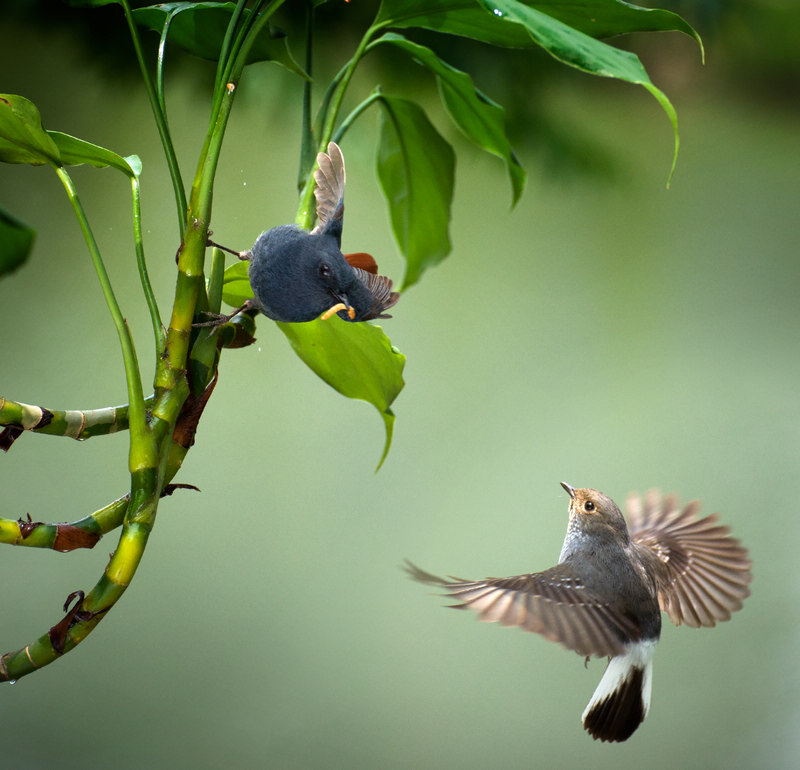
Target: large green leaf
(356,359)
(16,242)
(598,18)
(578,50)
(482,120)
(199,29)
(416,171)
(76,152)
(22,138)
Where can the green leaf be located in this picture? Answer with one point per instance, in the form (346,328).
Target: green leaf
(598,18)
(482,120)
(16,242)
(22,138)
(236,288)
(91,3)
(76,152)
(578,50)
(199,29)
(416,170)
(356,359)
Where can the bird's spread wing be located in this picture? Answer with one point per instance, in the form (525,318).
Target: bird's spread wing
(553,603)
(381,289)
(329,192)
(703,574)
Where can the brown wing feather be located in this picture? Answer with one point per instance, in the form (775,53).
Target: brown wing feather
(329,190)
(363,261)
(381,289)
(553,603)
(703,573)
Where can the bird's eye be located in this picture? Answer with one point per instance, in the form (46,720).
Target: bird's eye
(325,270)
(588,506)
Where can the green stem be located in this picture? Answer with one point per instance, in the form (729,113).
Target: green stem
(348,121)
(141,452)
(326,120)
(144,278)
(227,42)
(160,115)
(307,149)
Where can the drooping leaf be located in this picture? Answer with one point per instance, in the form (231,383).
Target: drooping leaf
(199,29)
(482,120)
(16,242)
(578,50)
(236,288)
(22,138)
(76,152)
(598,18)
(416,169)
(356,359)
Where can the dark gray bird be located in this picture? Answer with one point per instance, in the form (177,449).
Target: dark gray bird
(299,276)
(606,594)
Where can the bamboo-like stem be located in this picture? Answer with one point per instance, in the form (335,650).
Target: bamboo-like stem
(83,533)
(159,113)
(72,423)
(83,618)
(158,444)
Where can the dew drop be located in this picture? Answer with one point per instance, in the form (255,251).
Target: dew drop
(497,12)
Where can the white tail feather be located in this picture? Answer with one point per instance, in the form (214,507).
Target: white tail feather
(614,711)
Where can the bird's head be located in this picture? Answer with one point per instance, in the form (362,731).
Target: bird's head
(594,513)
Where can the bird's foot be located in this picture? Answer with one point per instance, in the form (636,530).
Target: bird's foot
(245,255)
(217,319)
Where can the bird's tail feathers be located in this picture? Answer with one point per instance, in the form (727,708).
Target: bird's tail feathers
(622,699)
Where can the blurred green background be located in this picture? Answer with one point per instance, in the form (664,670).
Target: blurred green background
(607,332)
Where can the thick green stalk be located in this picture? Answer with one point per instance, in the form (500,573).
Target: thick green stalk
(161,120)
(191,259)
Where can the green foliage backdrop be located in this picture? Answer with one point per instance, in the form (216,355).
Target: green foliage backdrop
(608,333)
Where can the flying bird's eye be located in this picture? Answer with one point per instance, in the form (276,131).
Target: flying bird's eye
(325,270)
(588,506)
